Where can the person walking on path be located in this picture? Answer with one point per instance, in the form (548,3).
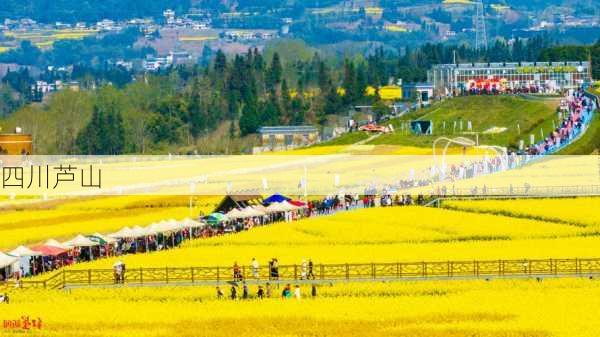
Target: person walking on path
(268,290)
(255,267)
(260,293)
(245,291)
(219,293)
(237,273)
(303,270)
(233,292)
(310,270)
(297,294)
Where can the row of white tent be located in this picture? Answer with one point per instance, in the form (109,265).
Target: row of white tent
(259,210)
(164,227)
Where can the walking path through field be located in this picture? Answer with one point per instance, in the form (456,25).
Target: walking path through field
(323,273)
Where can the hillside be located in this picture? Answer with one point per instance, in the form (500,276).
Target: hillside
(519,116)
(484,112)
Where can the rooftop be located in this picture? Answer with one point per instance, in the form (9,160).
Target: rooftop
(287,129)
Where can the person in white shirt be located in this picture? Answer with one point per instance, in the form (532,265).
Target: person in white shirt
(297,292)
(255,267)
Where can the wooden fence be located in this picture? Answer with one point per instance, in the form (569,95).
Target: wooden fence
(326,272)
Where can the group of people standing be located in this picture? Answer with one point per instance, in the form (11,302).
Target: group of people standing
(264,292)
(273,272)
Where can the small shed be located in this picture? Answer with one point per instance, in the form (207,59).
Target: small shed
(281,137)
(423,92)
(230,202)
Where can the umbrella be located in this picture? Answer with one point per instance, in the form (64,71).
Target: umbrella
(46,250)
(23,251)
(275,198)
(216,218)
(80,241)
(7,260)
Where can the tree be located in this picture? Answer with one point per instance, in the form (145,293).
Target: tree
(349,82)
(250,120)
(274,73)
(286,104)
(220,62)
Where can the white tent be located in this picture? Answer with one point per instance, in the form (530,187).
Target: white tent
(80,241)
(141,232)
(23,251)
(57,244)
(164,226)
(24,255)
(236,214)
(252,211)
(7,260)
(123,234)
(191,223)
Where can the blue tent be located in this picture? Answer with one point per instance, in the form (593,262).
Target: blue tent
(275,198)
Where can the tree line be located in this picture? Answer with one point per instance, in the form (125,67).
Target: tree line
(236,94)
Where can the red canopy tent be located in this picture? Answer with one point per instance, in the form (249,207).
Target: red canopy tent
(49,250)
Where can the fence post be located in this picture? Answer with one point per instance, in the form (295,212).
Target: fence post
(218,275)
(295,272)
(577,267)
(397,269)
(347,272)
(449,269)
(322,272)
(424,266)
(89,276)
(167,274)
(192,270)
(141,275)
(373,270)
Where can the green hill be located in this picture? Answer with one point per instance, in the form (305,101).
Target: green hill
(512,117)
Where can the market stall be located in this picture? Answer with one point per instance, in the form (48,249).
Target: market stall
(83,248)
(30,262)
(7,266)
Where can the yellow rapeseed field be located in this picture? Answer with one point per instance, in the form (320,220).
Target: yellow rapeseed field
(499,308)
(396,234)
(580,211)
